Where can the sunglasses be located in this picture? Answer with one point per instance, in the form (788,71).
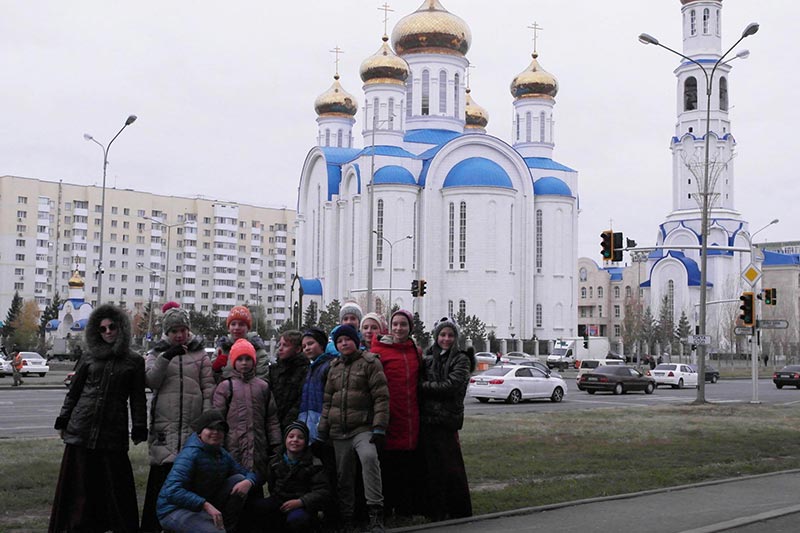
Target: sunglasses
(111,327)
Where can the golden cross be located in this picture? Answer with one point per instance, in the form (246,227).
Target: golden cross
(536,29)
(337,52)
(386,9)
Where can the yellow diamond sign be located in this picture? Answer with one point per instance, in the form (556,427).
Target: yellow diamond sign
(751,274)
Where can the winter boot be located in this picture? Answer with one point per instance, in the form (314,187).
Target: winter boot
(375,513)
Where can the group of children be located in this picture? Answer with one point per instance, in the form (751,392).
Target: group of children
(362,399)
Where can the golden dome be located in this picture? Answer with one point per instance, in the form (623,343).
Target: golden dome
(384,66)
(76,280)
(475,115)
(336,102)
(534,82)
(431,29)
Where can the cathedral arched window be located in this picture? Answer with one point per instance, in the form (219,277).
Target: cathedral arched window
(583,293)
(538,315)
(462,307)
(456,94)
(599,292)
(327,137)
(591,292)
(426,93)
(692,22)
(379,236)
(442,91)
(409,88)
(541,127)
(528,126)
(539,240)
(706,17)
(339,138)
(671,300)
(390,118)
(376,106)
(616,292)
(690,94)
(449,308)
(516,122)
(723,94)
(717,21)
(462,235)
(451,233)
(628,292)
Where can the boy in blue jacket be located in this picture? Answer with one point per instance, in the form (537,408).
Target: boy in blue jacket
(206,489)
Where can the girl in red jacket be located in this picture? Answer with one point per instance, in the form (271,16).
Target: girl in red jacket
(400,469)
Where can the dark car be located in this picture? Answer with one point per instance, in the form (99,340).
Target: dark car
(712,374)
(788,375)
(616,379)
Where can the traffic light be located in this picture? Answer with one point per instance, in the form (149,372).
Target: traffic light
(607,245)
(415,288)
(748,309)
(774,300)
(422,284)
(617,247)
(586,340)
(770,296)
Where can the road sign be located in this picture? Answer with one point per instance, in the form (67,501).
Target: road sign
(752,274)
(774,324)
(743,330)
(699,339)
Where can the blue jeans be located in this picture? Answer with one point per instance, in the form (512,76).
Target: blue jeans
(186,521)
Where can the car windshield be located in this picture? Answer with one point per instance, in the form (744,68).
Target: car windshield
(665,366)
(31,355)
(610,370)
(496,371)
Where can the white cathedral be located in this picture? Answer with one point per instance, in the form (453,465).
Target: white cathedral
(490,225)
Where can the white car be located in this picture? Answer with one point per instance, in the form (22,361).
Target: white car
(5,367)
(676,375)
(33,363)
(514,384)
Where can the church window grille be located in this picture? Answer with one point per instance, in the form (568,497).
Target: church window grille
(375,110)
(442,91)
(462,307)
(327,137)
(723,94)
(616,292)
(692,22)
(449,308)
(670,300)
(528,126)
(352,238)
(538,315)
(717,21)
(583,293)
(690,94)
(516,122)
(390,118)
(456,96)
(409,87)
(541,126)
(599,292)
(451,233)
(379,236)
(462,236)
(706,17)
(539,241)
(339,138)
(426,89)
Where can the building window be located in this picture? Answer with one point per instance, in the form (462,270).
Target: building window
(449,307)
(723,94)
(616,330)
(462,307)
(339,138)
(600,311)
(409,88)
(451,233)
(442,91)
(599,292)
(671,300)
(627,291)
(616,292)
(516,123)
(591,292)
(379,236)
(528,126)
(616,311)
(583,293)
(376,106)
(426,90)
(539,241)
(462,236)
(706,16)
(541,126)
(692,22)
(717,21)
(22,199)
(538,315)
(456,97)
(390,118)
(690,94)
(327,137)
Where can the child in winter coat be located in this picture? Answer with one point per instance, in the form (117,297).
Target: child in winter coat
(239,323)
(248,407)
(373,326)
(298,485)
(286,376)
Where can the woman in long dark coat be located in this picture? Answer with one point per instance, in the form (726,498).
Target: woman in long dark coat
(95,490)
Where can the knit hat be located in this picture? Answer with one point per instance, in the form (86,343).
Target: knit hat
(296,425)
(377,318)
(169,305)
(346,331)
(242,313)
(318,335)
(406,314)
(175,318)
(351,308)
(444,322)
(210,419)
(242,348)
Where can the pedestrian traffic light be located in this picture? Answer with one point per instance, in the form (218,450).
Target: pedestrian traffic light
(586,340)
(617,247)
(748,311)
(422,284)
(415,288)
(607,245)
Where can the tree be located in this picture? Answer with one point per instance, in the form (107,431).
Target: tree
(329,318)
(11,316)
(684,329)
(648,329)
(471,327)
(26,326)
(50,312)
(632,325)
(421,337)
(208,324)
(665,327)
(310,316)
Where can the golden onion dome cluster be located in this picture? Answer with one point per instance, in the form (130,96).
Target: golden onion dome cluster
(534,82)
(475,115)
(336,102)
(431,29)
(384,66)
(76,280)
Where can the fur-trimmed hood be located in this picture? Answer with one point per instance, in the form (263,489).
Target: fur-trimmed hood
(97,347)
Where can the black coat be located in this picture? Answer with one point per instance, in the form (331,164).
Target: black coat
(286,378)
(95,411)
(307,480)
(444,380)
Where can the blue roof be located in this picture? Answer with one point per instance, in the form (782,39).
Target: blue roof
(52,324)
(546,163)
(692,269)
(338,156)
(777,258)
(550,185)
(477,172)
(311,287)
(80,325)
(394,174)
(431,136)
(615,273)
(394,151)
(694,137)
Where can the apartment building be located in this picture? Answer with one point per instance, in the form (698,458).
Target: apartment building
(206,254)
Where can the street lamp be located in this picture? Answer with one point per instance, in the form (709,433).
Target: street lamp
(391,263)
(130,120)
(644,38)
(150,312)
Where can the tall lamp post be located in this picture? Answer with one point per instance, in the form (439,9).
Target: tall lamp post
(644,38)
(391,263)
(169,237)
(130,120)
(371,210)
(150,313)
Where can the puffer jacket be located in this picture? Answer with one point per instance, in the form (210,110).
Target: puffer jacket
(286,377)
(222,366)
(304,479)
(182,390)
(109,376)
(445,377)
(356,397)
(313,393)
(200,470)
(401,362)
(246,403)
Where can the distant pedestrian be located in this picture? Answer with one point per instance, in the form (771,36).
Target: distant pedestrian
(16,367)
(766,359)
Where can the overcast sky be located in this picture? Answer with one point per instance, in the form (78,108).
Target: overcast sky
(224,93)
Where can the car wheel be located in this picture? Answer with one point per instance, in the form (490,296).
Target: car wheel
(483,400)
(558,395)
(714,379)
(779,385)
(649,388)
(680,383)
(514,397)
(41,374)
(591,391)
(618,389)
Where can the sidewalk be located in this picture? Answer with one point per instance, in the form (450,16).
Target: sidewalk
(725,505)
